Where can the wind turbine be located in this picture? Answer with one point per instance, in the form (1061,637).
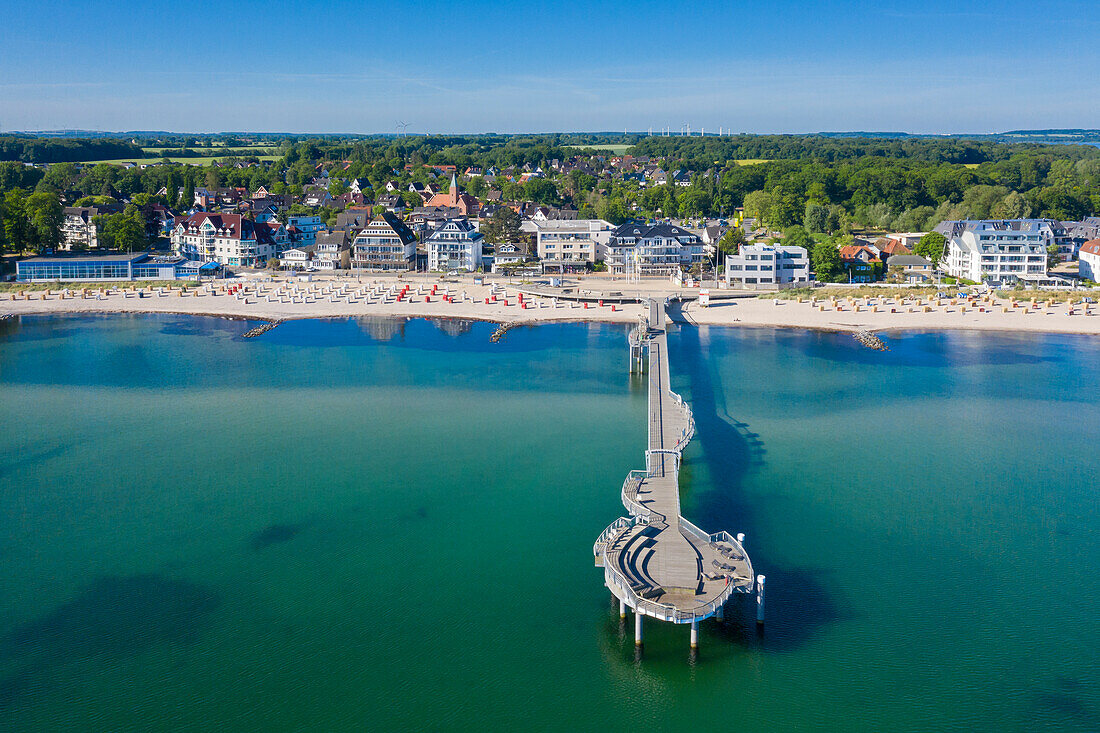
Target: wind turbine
(403,126)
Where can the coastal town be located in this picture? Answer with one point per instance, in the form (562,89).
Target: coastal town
(586,366)
(571,232)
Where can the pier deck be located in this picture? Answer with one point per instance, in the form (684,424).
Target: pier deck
(656,561)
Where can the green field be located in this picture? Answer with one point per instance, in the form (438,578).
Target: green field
(199,160)
(235,150)
(613,149)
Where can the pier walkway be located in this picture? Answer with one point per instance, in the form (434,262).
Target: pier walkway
(655,561)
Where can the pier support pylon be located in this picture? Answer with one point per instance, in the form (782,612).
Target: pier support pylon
(622,609)
(637,628)
(720,614)
(760,600)
(695,633)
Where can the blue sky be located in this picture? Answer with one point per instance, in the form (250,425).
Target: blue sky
(451,67)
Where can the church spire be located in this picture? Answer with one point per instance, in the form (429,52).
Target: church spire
(454,190)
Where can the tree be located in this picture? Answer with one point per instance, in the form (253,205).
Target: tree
(611,209)
(124,231)
(757,204)
(931,247)
(731,241)
(187,198)
(45,214)
(477,187)
(17,228)
(784,210)
(1053,256)
(338,188)
(797,236)
(694,202)
(541,191)
(816,218)
(1014,206)
(825,258)
(503,226)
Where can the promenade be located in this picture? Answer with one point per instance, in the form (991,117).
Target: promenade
(600,299)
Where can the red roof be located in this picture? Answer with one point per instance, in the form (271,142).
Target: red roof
(894,247)
(1091,247)
(233,226)
(852,252)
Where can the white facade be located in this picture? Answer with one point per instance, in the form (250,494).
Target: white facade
(637,249)
(997,251)
(562,244)
(386,243)
(78,230)
(295,259)
(455,245)
(506,255)
(332,251)
(1089,261)
(761,266)
(228,239)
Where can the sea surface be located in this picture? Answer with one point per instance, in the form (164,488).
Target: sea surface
(387,525)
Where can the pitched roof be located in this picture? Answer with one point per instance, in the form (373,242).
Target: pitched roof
(1091,247)
(644,230)
(892,247)
(852,252)
(233,226)
(908,261)
(338,237)
(387,220)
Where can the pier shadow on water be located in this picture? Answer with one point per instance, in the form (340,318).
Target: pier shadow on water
(799,600)
(112,618)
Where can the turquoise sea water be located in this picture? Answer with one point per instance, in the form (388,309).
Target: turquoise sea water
(384,525)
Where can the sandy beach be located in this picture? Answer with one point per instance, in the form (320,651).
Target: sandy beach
(507,302)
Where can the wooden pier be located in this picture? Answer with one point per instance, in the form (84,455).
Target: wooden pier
(655,561)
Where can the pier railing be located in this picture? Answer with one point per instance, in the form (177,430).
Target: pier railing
(613,530)
(631,486)
(689,430)
(662,611)
(727,538)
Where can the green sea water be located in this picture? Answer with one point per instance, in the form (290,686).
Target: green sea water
(387,525)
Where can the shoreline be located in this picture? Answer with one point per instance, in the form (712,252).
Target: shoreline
(462,301)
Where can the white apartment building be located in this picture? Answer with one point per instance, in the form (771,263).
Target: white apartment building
(638,249)
(229,239)
(78,228)
(997,251)
(455,245)
(1089,260)
(386,243)
(766,267)
(565,245)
